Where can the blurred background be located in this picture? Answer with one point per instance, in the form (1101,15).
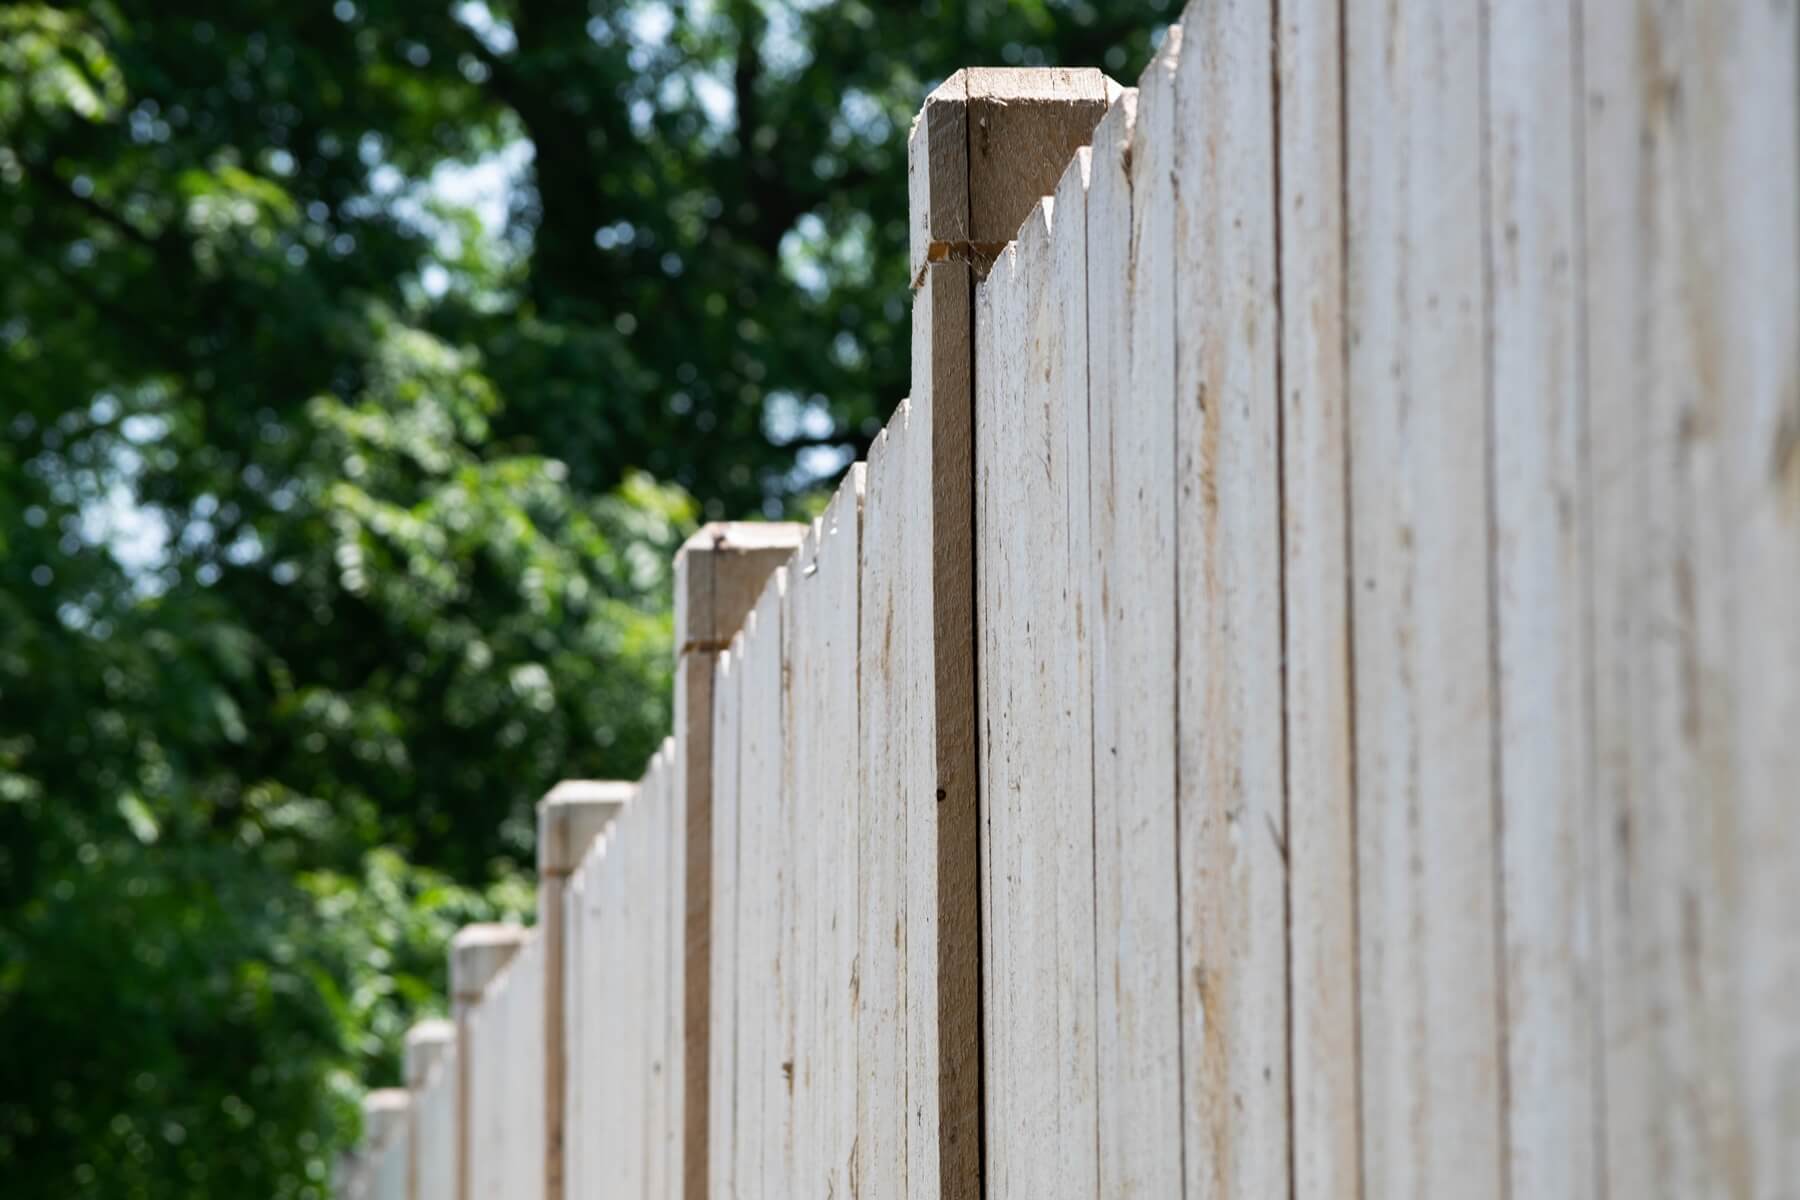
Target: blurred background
(362,363)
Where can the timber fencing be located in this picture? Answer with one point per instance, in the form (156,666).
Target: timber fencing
(1303,699)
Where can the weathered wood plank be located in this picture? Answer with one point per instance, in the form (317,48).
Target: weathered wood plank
(719,572)
(764,1095)
(1315,585)
(1540,537)
(1231,797)
(1691,189)
(1430,996)
(886,667)
(723,927)
(987,145)
(569,818)
(477,954)
(943,818)
(1131,413)
(1036,723)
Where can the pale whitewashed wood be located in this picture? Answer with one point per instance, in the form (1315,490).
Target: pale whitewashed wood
(1539,542)
(1691,187)
(624,980)
(1430,998)
(434,1132)
(884,663)
(803,840)
(506,1106)
(994,328)
(671,887)
(1232,812)
(822,661)
(1061,336)
(840,584)
(1131,416)
(486,1051)
(522,1129)
(1321,817)
(478,953)
(1035,716)
(660,1003)
(763,1094)
(577,1088)
(723,1008)
(386,1144)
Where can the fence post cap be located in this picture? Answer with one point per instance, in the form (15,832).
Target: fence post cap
(383,1110)
(719,573)
(571,815)
(987,144)
(477,954)
(428,1043)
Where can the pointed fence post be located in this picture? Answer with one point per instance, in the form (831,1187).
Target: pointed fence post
(570,818)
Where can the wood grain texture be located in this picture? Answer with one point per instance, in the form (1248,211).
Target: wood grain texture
(1691,187)
(719,573)
(1230,790)
(824,740)
(801,1022)
(988,143)
(1314,535)
(943,814)
(1131,498)
(664,1007)
(763,1093)
(1430,996)
(721,1180)
(886,670)
(1539,540)
(434,1134)
(1036,778)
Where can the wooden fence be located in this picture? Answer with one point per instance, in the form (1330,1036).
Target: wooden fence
(1304,698)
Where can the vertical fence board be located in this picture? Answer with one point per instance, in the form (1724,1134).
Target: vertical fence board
(1131,285)
(1232,811)
(1540,617)
(1062,342)
(1425,826)
(885,666)
(763,1094)
(656,898)
(434,1131)
(1315,523)
(578,1131)
(1037,781)
(831,596)
(1691,194)
(626,977)
(799,928)
(723,1009)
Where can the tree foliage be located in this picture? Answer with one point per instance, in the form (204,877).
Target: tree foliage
(337,498)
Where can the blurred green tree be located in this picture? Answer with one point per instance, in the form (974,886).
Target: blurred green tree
(361,364)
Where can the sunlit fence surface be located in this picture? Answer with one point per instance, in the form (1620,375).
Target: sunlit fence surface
(1302,698)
